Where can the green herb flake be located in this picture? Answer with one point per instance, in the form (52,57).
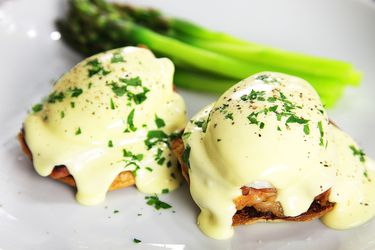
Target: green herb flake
(138,98)
(115,211)
(55,97)
(321,131)
(261,125)
(90,85)
(110,144)
(96,67)
(37,107)
(296,119)
(156,202)
(78,131)
(165,191)
(62,114)
(132,159)
(271,99)
(159,157)
(254,95)
(75,92)
(358,152)
(156,136)
(159,122)
(135,81)
(149,169)
(306,129)
(118,90)
(229,116)
(72,105)
(253,118)
(199,123)
(136,241)
(112,104)
(186,155)
(117,58)
(130,121)
(186,135)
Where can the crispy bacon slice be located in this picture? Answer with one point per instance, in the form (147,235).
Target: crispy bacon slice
(256,205)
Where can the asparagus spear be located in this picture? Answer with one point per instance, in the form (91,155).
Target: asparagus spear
(205,60)
(274,59)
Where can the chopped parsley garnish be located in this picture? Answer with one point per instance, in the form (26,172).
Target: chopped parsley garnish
(72,105)
(156,203)
(112,104)
(156,136)
(321,131)
(117,58)
(358,152)
(261,125)
(159,122)
(199,123)
(132,159)
(253,118)
(130,121)
(75,92)
(229,116)
(37,107)
(135,81)
(78,131)
(254,95)
(96,67)
(55,97)
(136,240)
(62,114)
(296,119)
(306,129)
(186,155)
(165,191)
(159,157)
(115,211)
(285,110)
(118,90)
(272,99)
(138,97)
(186,135)
(90,85)
(149,169)
(110,144)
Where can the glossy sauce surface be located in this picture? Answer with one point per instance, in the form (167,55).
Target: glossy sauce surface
(112,112)
(272,130)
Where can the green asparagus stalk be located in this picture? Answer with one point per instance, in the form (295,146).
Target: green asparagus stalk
(274,59)
(205,60)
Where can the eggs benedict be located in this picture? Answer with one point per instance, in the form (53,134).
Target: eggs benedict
(266,151)
(107,125)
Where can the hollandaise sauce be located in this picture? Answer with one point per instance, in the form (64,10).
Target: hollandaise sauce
(271,130)
(112,112)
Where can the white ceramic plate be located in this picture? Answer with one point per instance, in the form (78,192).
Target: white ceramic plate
(37,213)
